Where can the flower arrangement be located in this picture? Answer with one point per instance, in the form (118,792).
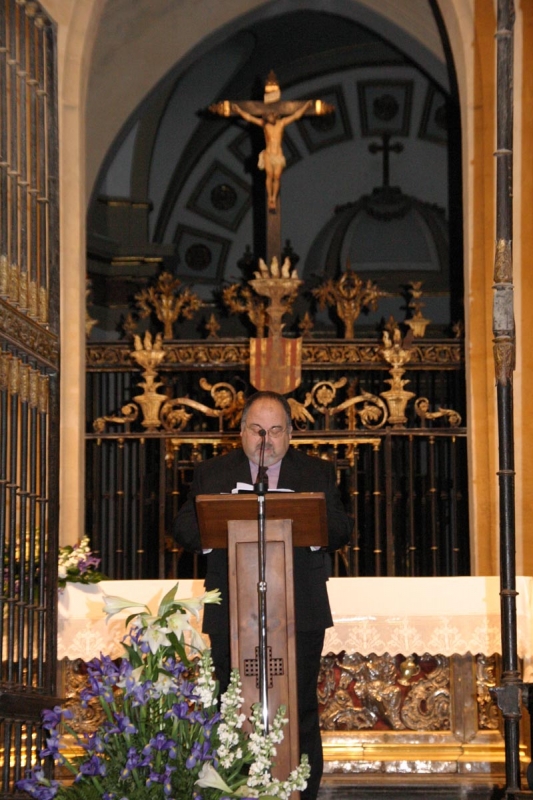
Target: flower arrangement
(164,736)
(78,565)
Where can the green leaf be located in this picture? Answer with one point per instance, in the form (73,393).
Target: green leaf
(179,649)
(167,601)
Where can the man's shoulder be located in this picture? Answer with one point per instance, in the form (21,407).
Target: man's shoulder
(306,461)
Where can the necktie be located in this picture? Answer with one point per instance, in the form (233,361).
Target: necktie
(263,474)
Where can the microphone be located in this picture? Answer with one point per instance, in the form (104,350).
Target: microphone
(261,486)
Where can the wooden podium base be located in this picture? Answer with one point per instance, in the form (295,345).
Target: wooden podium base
(244,626)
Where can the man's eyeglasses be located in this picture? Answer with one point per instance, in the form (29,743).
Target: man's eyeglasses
(275,431)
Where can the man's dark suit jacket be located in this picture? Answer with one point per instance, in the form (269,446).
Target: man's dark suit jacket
(299,472)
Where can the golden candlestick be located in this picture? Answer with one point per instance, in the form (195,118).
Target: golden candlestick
(149,355)
(397,353)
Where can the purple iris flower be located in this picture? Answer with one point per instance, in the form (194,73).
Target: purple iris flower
(167,784)
(160,741)
(199,752)
(87,563)
(175,667)
(94,766)
(180,710)
(53,716)
(36,785)
(154,777)
(123,724)
(92,743)
(52,746)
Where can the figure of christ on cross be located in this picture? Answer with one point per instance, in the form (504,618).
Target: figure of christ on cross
(273,115)
(271,159)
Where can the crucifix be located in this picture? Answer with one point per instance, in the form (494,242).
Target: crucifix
(272,115)
(386,148)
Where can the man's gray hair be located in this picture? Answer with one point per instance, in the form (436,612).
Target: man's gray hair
(267,396)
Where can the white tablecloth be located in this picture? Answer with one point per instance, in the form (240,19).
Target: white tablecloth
(83,630)
(371,615)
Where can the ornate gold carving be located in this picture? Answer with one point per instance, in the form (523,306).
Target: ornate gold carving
(130,324)
(149,355)
(85,719)
(360,692)
(33,301)
(212,326)
(14,376)
(240,300)
(422,409)
(44,393)
(349,295)
(397,353)
(280,285)
(408,669)
(24,393)
(129,414)
(23,291)
(306,325)
(34,389)
(427,706)
(168,302)
(20,327)
(314,354)
(90,322)
(228,407)
(373,413)
(13,281)
(504,360)
(3,275)
(4,370)
(418,323)
(43,304)
(488,712)
(458,329)
(503,262)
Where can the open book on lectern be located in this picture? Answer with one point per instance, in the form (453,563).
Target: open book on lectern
(305,510)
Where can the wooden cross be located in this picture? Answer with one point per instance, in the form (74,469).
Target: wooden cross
(273,115)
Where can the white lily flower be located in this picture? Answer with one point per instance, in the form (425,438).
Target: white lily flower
(164,684)
(197,641)
(113,604)
(178,623)
(195,604)
(209,778)
(155,638)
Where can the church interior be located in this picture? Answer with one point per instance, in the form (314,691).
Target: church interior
(151,281)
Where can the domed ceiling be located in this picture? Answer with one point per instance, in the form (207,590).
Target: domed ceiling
(374,187)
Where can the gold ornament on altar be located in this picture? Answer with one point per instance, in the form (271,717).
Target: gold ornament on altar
(149,355)
(350,294)
(168,302)
(90,322)
(397,353)
(280,285)
(275,361)
(418,323)
(241,300)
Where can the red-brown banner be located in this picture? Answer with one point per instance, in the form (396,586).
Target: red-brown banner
(275,364)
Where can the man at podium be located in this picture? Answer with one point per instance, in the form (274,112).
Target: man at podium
(267,416)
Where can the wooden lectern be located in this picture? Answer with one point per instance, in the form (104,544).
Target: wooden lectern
(292,520)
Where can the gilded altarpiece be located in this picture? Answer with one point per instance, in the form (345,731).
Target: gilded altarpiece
(29,381)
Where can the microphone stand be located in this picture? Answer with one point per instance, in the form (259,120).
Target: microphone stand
(260,489)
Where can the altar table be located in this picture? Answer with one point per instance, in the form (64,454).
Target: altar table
(406,672)
(371,615)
